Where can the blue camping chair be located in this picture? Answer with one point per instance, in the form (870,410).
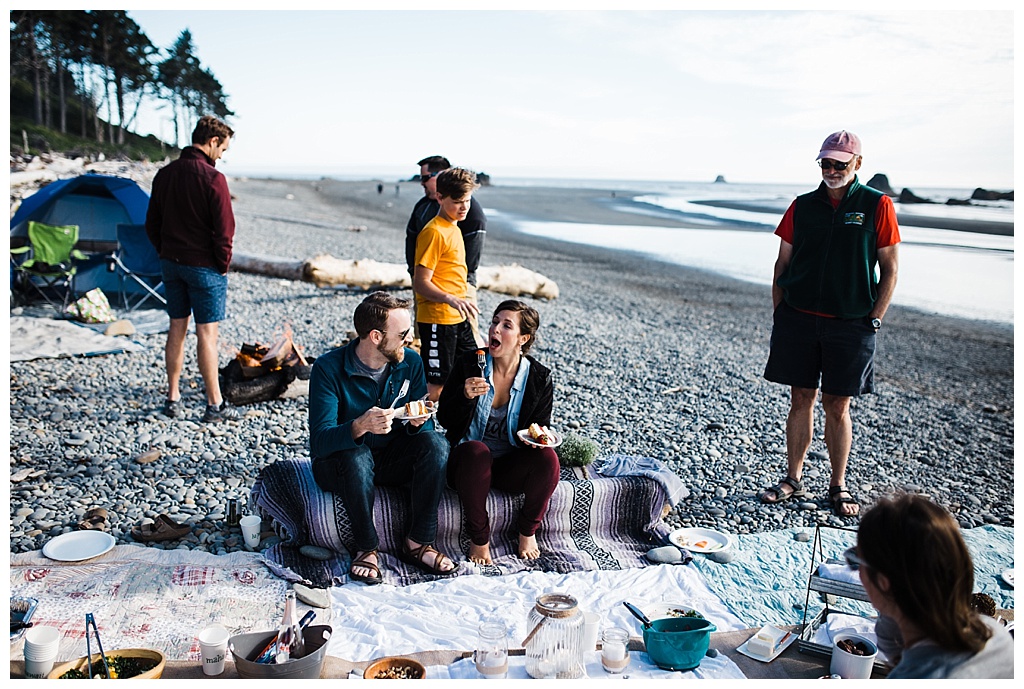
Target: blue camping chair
(50,268)
(135,259)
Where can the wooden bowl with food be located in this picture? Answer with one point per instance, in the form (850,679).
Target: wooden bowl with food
(127,663)
(395,668)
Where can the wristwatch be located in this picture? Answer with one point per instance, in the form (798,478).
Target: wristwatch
(876,323)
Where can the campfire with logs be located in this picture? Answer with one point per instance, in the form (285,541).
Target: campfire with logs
(264,372)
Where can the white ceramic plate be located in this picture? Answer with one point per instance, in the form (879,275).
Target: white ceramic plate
(400,414)
(657,611)
(524,435)
(778,649)
(698,540)
(1008,577)
(78,545)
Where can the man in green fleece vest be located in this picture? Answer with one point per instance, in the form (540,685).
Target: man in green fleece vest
(834,278)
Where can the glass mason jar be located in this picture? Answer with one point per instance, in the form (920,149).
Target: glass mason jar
(614,650)
(491,656)
(554,645)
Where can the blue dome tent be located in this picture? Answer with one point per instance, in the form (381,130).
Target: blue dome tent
(97,204)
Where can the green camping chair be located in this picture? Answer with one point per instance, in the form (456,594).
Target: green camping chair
(51,268)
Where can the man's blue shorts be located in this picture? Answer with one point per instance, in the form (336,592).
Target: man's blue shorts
(805,347)
(194,290)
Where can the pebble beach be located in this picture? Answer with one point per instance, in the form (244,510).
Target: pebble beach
(649,359)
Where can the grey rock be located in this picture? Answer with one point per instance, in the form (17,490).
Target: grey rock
(722,556)
(801,537)
(666,554)
(317,553)
(318,598)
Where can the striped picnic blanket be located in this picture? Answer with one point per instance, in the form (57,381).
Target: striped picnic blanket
(591,524)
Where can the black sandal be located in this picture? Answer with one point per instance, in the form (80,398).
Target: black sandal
(836,501)
(414,557)
(375,578)
(781,495)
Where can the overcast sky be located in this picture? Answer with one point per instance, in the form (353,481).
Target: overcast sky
(680,95)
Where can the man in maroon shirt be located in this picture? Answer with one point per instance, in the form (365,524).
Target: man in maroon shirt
(192,226)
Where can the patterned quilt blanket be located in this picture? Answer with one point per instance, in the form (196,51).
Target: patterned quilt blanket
(591,524)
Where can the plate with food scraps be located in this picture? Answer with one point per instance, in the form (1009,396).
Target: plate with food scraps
(699,540)
(402,415)
(525,436)
(658,611)
(78,545)
(784,643)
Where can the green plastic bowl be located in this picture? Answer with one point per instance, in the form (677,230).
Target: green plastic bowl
(678,643)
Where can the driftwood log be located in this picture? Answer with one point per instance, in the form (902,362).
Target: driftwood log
(326,271)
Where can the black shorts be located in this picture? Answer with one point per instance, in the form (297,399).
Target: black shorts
(440,344)
(838,351)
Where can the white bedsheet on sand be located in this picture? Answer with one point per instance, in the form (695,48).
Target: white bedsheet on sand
(38,338)
(371,621)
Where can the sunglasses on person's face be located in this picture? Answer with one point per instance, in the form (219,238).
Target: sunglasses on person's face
(424,178)
(826,164)
(853,561)
(402,335)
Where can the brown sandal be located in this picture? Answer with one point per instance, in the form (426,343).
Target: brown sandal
(415,558)
(361,561)
(163,529)
(94,520)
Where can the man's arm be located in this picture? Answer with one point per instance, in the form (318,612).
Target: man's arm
(473,229)
(423,285)
(154,217)
(888,270)
(781,263)
(223,218)
(326,435)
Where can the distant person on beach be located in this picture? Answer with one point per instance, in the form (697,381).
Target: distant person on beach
(443,311)
(834,278)
(918,574)
(355,443)
(192,226)
(482,411)
(380,188)
(473,228)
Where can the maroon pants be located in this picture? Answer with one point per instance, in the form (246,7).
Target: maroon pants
(472,472)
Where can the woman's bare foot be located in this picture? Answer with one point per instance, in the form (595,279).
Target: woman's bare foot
(480,554)
(528,548)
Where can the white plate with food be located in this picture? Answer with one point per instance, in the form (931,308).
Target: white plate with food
(78,545)
(699,540)
(545,436)
(778,640)
(420,409)
(659,611)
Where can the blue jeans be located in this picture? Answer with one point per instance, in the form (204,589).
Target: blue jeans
(194,290)
(419,459)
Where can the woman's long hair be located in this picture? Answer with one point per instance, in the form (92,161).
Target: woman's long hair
(917,545)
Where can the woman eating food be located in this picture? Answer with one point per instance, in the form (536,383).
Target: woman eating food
(490,401)
(918,574)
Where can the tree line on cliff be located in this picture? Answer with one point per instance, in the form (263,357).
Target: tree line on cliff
(76,64)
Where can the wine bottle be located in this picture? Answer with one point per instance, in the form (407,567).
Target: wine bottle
(266,656)
(290,645)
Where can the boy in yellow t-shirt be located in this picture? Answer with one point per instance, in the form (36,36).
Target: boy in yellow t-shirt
(439,280)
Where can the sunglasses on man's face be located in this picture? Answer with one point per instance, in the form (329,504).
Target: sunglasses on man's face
(424,178)
(826,164)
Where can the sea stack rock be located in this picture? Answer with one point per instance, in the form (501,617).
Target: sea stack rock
(720,179)
(986,195)
(881,183)
(907,196)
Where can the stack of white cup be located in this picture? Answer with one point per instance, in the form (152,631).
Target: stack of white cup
(41,646)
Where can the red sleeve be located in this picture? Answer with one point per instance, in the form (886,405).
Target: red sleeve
(887,231)
(785,228)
